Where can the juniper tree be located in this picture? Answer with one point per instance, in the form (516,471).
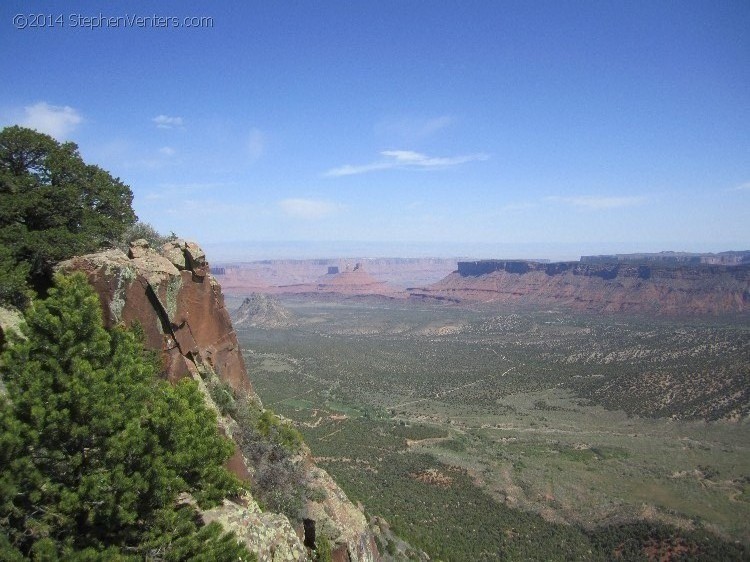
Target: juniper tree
(53,205)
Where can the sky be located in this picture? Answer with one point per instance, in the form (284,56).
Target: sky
(488,129)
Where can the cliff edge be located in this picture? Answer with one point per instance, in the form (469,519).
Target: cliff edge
(179,306)
(599,286)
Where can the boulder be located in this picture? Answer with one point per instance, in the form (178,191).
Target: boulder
(270,535)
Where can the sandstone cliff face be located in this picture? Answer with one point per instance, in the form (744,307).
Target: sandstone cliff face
(177,303)
(601,287)
(180,308)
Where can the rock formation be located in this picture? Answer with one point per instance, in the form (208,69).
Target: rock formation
(675,258)
(266,275)
(261,310)
(354,282)
(180,308)
(599,286)
(177,303)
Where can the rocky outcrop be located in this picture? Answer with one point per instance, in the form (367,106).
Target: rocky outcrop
(675,258)
(178,305)
(263,311)
(180,308)
(10,322)
(270,535)
(599,286)
(336,517)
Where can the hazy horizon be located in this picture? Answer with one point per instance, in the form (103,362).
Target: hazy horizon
(240,251)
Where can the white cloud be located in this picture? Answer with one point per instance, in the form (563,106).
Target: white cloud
(743,187)
(53,120)
(167,151)
(405,159)
(167,122)
(308,208)
(256,144)
(595,202)
(349,170)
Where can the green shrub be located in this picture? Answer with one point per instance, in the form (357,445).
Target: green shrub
(278,480)
(323,549)
(223,396)
(270,426)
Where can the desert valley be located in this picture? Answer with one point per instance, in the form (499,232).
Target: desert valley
(599,404)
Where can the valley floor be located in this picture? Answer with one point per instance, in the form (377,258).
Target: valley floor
(515,430)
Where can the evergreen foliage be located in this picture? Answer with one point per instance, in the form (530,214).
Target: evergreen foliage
(145,231)
(323,549)
(271,427)
(52,206)
(95,448)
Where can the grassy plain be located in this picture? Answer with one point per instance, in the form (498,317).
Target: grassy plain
(473,426)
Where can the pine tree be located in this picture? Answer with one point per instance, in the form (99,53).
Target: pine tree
(95,448)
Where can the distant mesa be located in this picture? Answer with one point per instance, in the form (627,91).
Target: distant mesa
(350,282)
(674,258)
(660,283)
(236,279)
(667,283)
(267,275)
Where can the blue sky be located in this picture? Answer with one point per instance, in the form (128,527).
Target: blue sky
(490,129)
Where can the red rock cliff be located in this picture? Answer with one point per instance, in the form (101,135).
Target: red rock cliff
(175,300)
(600,287)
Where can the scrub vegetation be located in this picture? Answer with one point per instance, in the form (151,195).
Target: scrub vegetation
(522,434)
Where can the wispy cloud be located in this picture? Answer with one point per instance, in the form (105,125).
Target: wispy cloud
(522,206)
(167,122)
(181,190)
(405,159)
(167,151)
(742,187)
(54,120)
(256,144)
(414,129)
(595,202)
(308,208)
(226,210)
